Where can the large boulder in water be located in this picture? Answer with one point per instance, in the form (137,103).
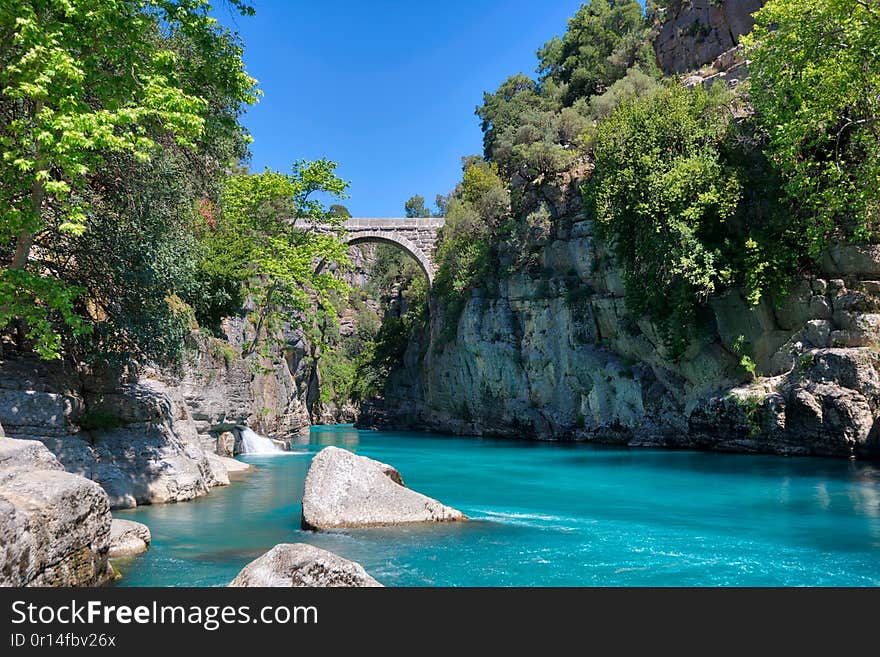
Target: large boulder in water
(128,538)
(345,490)
(299,564)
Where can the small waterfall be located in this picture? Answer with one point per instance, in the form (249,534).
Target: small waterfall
(254,443)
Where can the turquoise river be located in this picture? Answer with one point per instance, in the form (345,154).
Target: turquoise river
(546,514)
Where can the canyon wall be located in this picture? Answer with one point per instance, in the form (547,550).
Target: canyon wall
(555,353)
(157,436)
(552,350)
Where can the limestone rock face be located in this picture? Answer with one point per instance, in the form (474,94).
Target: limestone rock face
(222,389)
(234,465)
(54,526)
(828,405)
(299,564)
(128,538)
(346,490)
(695,32)
(26,454)
(557,354)
(150,456)
(155,437)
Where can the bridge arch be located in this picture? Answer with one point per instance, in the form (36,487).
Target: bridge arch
(407,245)
(417,236)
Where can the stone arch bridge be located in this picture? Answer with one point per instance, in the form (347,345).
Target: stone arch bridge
(418,237)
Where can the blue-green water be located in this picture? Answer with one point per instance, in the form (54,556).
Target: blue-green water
(546,514)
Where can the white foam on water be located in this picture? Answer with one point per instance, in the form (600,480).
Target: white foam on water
(560,523)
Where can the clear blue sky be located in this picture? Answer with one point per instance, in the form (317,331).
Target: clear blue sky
(386,88)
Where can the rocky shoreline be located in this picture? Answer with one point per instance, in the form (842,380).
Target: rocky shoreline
(78,443)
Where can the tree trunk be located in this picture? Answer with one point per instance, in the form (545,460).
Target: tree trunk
(25,239)
(267,308)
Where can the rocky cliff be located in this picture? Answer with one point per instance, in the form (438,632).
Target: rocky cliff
(691,33)
(153,437)
(223,390)
(555,353)
(552,351)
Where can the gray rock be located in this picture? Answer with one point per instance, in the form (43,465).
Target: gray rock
(28,454)
(299,564)
(151,456)
(33,412)
(221,389)
(54,525)
(842,259)
(128,538)
(697,32)
(219,471)
(345,490)
(138,464)
(234,465)
(818,332)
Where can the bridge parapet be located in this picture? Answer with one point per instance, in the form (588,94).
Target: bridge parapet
(393,223)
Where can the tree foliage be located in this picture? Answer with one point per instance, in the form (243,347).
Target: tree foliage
(415,207)
(474,212)
(536,129)
(604,38)
(278,241)
(85,86)
(816,89)
(338,210)
(658,190)
(690,204)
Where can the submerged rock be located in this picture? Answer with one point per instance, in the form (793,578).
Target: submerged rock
(128,538)
(299,564)
(345,490)
(54,526)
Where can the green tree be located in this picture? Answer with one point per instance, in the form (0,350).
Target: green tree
(79,81)
(604,38)
(280,242)
(816,89)
(135,260)
(474,213)
(383,353)
(634,84)
(338,210)
(501,110)
(659,193)
(415,207)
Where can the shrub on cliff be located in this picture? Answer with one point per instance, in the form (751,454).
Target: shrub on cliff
(658,187)
(687,201)
(604,38)
(474,213)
